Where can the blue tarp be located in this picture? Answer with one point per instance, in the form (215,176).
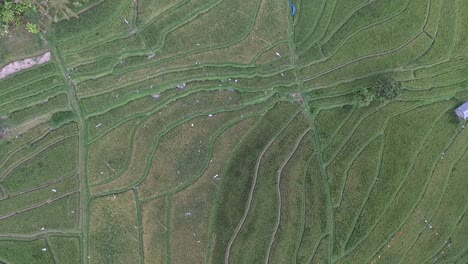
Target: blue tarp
(293,8)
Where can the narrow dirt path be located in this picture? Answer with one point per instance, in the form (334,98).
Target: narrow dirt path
(82,156)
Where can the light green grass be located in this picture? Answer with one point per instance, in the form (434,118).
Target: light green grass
(57,161)
(112,229)
(65,249)
(25,252)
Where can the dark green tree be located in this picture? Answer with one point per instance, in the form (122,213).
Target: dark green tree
(387,89)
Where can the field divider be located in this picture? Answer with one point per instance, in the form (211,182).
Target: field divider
(213,214)
(351,163)
(152,152)
(244,71)
(169,128)
(146,114)
(357,78)
(207,49)
(419,70)
(41,186)
(34,236)
(338,129)
(194,179)
(349,135)
(267,48)
(460,217)
(330,33)
(303,208)
(168,229)
(42,90)
(446,182)
(117,13)
(50,248)
(460,255)
(50,94)
(379,172)
(163,104)
(213,140)
(378,54)
(24,145)
(254,181)
(34,154)
(194,14)
(314,27)
(139,225)
(316,247)
(278,177)
(330,224)
(153,63)
(166,12)
(458,82)
(30,82)
(374,181)
(127,162)
(377,23)
(39,205)
(403,180)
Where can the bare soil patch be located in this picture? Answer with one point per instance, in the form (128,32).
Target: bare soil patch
(24,64)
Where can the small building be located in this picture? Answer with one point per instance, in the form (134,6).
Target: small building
(462,111)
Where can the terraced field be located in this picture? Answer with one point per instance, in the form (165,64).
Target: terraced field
(227,131)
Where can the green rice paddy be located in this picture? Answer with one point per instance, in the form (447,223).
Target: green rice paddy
(228,131)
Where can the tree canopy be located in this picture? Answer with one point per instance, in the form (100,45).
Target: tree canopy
(11,12)
(387,89)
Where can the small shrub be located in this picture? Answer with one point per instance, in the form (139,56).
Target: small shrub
(60,118)
(32,28)
(363,97)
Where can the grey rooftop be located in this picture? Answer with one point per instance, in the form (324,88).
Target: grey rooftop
(462,111)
